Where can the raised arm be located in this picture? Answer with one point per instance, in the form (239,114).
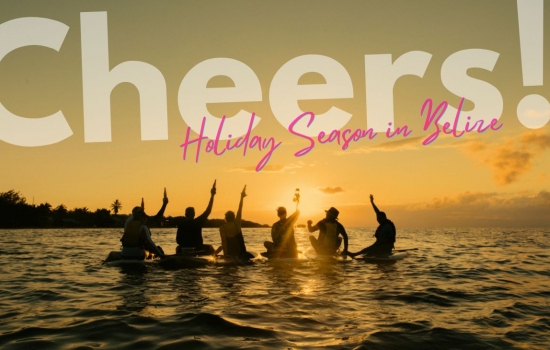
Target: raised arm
(312,228)
(374,205)
(160,214)
(208,210)
(291,220)
(238,218)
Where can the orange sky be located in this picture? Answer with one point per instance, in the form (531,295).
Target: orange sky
(497,178)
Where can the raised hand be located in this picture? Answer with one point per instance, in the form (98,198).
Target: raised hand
(213,190)
(296,196)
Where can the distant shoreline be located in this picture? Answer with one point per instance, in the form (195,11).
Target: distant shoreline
(16,213)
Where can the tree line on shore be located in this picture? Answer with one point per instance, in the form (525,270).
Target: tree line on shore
(15,212)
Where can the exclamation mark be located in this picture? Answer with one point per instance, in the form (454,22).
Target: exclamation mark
(533,110)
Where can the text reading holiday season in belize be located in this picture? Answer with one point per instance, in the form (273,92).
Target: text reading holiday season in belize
(217,136)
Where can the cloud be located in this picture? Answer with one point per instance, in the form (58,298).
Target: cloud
(532,113)
(468,209)
(406,144)
(467,199)
(331,190)
(276,168)
(538,139)
(498,209)
(511,159)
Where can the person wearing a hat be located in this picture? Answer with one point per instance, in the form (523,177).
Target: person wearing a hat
(282,234)
(385,235)
(329,229)
(189,233)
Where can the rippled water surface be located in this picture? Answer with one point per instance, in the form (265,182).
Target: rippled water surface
(463,289)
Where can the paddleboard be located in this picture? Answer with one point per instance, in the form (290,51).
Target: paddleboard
(285,260)
(381,259)
(232,261)
(312,255)
(182,261)
(274,256)
(235,261)
(185,261)
(129,262)
(114,259)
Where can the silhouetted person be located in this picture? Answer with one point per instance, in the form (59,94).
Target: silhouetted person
(385,235)
(158,216)
(282,234)
(136,241)
(231,234)
(189,234)
(329,229)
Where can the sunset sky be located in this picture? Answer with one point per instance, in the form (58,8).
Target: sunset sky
(492,179)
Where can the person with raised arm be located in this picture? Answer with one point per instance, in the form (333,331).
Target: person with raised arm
(329,229)
(157,216)
(282,234)
(189,234)
(385,235)
(136,241)
(231,234)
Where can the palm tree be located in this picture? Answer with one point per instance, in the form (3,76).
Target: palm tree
(116,206)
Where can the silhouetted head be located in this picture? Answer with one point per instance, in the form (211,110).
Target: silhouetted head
(381,217)
(332,213)
(190,213)
(139,214)
(139,209)
(135,210)
(230,216)
(281,212)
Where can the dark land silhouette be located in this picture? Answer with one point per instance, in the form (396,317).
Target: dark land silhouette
(15,212)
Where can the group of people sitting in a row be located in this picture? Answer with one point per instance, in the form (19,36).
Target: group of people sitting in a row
(137,242)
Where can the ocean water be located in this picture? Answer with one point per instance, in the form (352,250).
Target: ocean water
(462,289)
